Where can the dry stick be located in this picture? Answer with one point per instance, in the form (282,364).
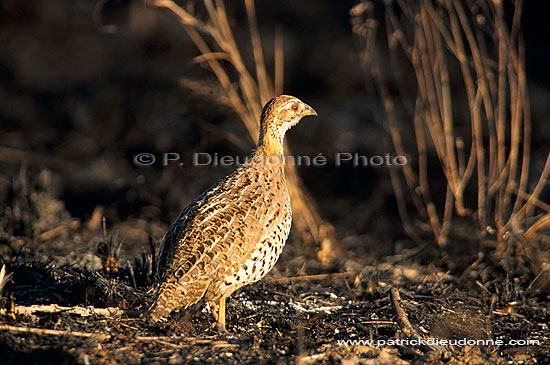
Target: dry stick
(516,106)
(408,329)
(518,9)
(466,174)
(424,75)
(222,35)
(501,116)
(406,98)
(248,86)
(502,167)
(266,92)
(371,59)
(44,331)
(489,89)
(477,138)
(402,318)
(482,93)
(54,308)
(191,24)
(313,277)
(524,174)
(279,61)
(447,216)
(442,82)
(402,208)
(451,156)
(308,218)
(456,45)
(488,323)
(421,66)
(535,201)
(533,198)
(213,55)
(104,337)
(424,184)
(215,129)
(420,134)
(190,341)
(379,322)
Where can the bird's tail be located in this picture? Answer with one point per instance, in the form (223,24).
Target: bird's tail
(174,296)
(165,302)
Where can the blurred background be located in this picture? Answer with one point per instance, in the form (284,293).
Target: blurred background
(87,85)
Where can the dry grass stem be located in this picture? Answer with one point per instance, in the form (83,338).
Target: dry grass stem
(215,41)
(487,160)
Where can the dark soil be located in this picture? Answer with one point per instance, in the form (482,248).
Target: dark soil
(76,106)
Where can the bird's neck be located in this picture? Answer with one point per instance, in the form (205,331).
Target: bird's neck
(269,154)
(271,143)
(271,148)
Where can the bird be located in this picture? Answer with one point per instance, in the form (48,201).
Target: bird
(232,234)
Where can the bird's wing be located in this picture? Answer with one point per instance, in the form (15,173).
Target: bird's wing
(166,252)
(223,221)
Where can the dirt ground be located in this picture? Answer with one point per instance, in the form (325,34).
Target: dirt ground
(78,102)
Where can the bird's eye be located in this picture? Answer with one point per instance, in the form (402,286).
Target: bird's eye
(295,107)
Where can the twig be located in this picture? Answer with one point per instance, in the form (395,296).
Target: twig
(379,322)
(104,337)
(315,358)
(408,329)
(45,331)
(488,324)
(54,308)
(428,35)
(189,341)
(313,277)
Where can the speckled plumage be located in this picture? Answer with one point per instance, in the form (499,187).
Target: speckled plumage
(233,233)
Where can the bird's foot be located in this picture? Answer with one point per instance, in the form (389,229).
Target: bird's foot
(220,327)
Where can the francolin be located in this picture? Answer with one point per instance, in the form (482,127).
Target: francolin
(233,233)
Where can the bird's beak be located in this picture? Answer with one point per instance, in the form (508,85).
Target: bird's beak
(309,111)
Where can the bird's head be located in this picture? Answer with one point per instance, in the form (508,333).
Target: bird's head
(279,115)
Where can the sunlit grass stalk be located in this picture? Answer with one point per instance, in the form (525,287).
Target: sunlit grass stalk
(215,41)
(497,164)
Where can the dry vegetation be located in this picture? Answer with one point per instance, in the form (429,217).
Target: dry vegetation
(247,96)
(461,53)
(471,262)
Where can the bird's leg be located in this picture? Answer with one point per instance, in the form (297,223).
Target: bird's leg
(221,319)
(218,311)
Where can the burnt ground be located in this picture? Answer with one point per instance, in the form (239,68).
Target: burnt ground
(293,316)
(78,104)
(302,312)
